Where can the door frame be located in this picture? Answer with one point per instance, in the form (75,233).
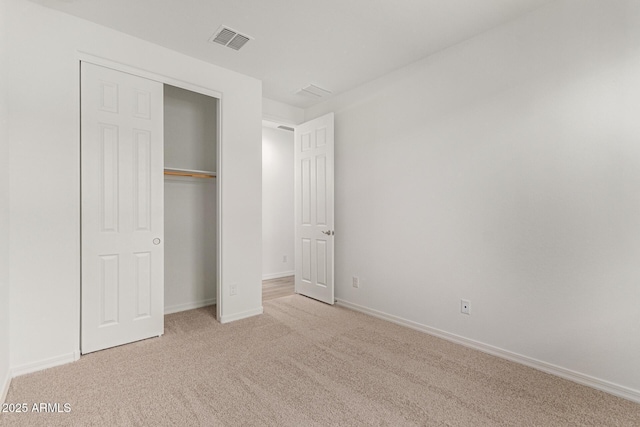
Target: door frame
(164,79)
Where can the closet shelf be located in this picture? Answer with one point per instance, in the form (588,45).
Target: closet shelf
(189,172)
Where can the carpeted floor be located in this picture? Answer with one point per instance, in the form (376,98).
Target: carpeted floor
(304,363)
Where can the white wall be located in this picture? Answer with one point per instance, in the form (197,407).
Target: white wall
(277,203)
(281,113)
(190,134)
(44,169)
(190,129)
(4,213)
(504,170)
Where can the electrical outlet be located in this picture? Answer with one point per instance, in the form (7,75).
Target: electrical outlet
(233,290)
(284,258)
(465,306)
(356,282)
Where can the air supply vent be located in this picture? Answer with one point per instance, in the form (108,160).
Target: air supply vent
(230,38)
(286,128)
(313,91)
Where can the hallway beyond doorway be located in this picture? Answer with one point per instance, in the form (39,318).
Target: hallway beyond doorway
(277,288)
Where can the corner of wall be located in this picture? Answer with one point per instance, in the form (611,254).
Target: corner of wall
(282,113)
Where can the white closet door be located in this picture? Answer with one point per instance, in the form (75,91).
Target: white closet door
(122,208)
(314,208)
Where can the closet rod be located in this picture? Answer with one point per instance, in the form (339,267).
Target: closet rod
(189,173)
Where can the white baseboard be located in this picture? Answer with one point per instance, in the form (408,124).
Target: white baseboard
(189,306)
(28,368)
(278,275)
(577,377)
(241,315)
(4,387)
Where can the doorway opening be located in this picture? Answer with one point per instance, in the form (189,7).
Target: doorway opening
(190,199)
(278,255)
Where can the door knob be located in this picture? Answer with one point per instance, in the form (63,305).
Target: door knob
(156,241)
(328,232)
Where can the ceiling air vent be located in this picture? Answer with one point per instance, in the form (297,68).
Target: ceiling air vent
(313,91)
(290,129)
(229,38)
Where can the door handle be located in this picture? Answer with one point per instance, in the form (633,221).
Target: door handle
(328,233)
(156,241)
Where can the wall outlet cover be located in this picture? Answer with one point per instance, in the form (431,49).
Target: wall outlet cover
(465,306)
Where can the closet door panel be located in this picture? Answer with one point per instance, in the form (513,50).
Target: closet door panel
(122,208)
(142,179)
(109,285)
(143,281)
(108,135)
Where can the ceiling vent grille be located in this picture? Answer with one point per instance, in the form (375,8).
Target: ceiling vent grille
(230,38)
(313,91)
(290,129)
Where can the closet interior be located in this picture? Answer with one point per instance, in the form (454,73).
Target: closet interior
(190,224)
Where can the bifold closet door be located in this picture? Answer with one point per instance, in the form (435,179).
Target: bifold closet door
(122,208)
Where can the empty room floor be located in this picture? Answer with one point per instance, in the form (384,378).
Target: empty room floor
(305,363)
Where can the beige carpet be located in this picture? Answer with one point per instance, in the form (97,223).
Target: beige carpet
(304,363)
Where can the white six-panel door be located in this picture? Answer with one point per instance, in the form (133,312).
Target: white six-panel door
(122,208)
(314,209)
